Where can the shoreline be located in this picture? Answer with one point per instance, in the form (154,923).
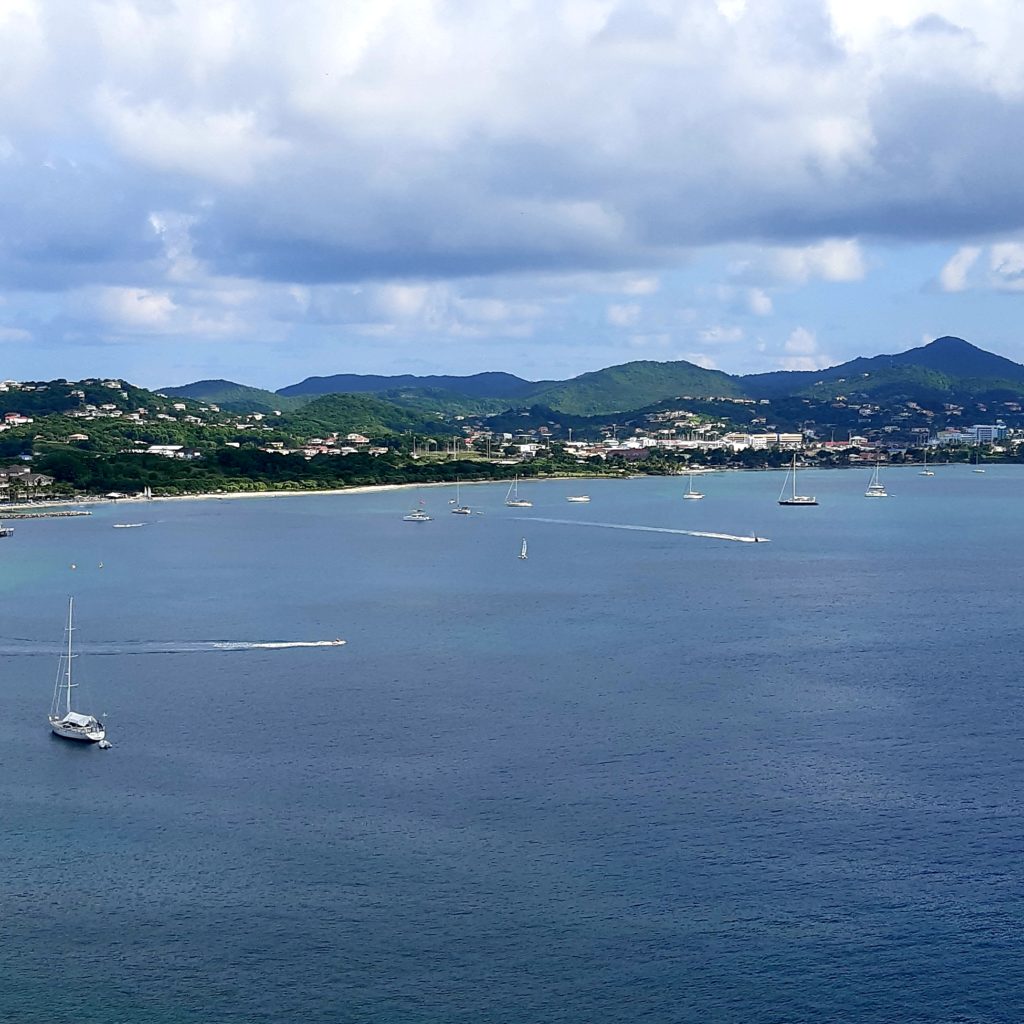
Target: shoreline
(96,499)
(231,495)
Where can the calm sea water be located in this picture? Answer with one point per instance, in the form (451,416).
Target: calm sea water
(636,777)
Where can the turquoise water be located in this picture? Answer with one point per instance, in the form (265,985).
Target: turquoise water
(638,776)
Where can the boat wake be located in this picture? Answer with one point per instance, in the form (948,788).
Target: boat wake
(753,539)
(16,646)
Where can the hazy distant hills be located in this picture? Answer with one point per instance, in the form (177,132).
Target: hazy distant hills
(948,368)
(477,385)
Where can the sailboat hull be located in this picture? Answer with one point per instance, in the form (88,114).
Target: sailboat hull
(798,501)
(72,732)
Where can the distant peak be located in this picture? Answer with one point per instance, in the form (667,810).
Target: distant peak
(948,341)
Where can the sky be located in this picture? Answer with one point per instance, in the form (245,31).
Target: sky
(263,191)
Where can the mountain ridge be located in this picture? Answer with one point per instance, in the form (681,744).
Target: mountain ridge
(948,366)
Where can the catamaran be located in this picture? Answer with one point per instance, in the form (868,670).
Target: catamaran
(690,493)
(460,509)
(793,498)
(417,515)
(72,725)
(513,500)
(876,489)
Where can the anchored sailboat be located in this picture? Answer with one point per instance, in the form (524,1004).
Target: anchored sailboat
(513,500)
(793,498)
(926,471)
(876,489)
(71,725)
(690,492)
(460,509)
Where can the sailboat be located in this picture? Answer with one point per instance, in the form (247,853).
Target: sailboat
(690,492)
(522,550)
(513,500)
(977,463)
(72,725)
(876,489)
(793,498)
(460,509)
(926,471)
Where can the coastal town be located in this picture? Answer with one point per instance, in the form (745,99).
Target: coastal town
(101,435)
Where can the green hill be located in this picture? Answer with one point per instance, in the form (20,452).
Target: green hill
(363,414)
(235,397)
(635,385)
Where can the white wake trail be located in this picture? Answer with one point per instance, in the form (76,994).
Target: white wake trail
(24,646)
(754,539)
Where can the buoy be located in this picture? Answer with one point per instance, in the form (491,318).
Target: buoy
(104,744)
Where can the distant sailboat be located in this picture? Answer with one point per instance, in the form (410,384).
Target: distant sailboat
(876,489)
(690,492)
(578,497)
(513,500)
(460,509)
(793,498)
(926,471)
(977,463)
(71,725)
(522,550)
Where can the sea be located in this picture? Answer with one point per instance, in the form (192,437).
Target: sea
(639,775)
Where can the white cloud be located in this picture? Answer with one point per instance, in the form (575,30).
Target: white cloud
(134,309)
(953,276)
(623,314)
(759,302)
(801,351)
(838,260)
(721,335)
(1006,261)
(225,146)
(14,334)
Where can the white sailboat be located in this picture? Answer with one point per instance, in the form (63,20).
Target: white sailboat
(977,463)
(876,489)
(513,500)
(690,493)
(793,498)
(926,471)
(522,550)
(71,725)
(578,497)
(460,509)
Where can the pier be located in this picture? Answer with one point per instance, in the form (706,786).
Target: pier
(48,514)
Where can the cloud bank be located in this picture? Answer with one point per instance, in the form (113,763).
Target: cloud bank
(179,158)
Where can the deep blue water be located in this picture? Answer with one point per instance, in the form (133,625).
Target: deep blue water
(637,777)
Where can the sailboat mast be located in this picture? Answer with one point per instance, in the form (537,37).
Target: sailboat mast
(71,604)
(794,474)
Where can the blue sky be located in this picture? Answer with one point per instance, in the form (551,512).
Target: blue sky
(263,192)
